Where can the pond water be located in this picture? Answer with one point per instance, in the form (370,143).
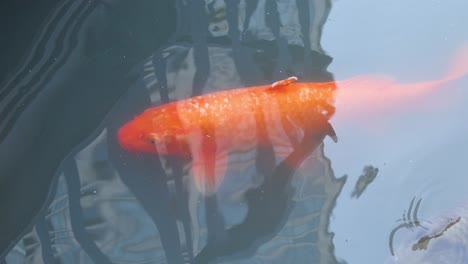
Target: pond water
(390,190)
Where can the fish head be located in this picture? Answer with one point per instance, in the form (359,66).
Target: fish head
(154,132)
(134,136)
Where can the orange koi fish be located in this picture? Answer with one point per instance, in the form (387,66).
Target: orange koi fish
(209,127)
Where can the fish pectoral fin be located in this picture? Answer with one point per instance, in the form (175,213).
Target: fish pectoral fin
(283,83)
(331,132)
(323,129)
(208,168)
(320,130)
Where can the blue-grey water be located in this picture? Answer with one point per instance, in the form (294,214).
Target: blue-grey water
(391,190)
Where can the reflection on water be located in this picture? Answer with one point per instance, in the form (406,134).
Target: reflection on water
(109,205)
(76,69)
(409,219)
(95,65)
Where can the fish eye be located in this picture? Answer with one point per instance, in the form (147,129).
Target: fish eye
(153,138)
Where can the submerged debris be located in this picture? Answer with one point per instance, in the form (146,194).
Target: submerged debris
(368,175)
(423,242)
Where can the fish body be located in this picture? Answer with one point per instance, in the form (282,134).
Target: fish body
(242,118)
(209,127)
(237,119)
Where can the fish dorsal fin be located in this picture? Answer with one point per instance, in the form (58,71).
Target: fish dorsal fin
(283,83)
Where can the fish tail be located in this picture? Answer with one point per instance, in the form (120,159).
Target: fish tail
(459,64)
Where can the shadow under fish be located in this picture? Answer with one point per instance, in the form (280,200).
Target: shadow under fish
(272,205)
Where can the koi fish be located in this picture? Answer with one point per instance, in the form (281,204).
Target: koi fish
(209,127)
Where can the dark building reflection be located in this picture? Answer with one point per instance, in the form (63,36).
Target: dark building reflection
(110,206)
